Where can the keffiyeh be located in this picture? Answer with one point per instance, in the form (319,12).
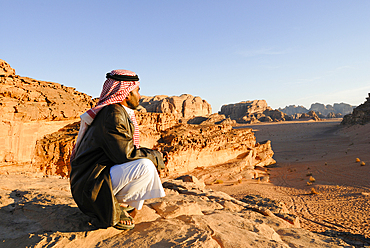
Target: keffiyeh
(113,91)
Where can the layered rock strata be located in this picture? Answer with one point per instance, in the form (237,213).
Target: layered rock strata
(30,109)
(187,147)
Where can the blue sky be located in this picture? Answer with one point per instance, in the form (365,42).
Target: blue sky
(285,52)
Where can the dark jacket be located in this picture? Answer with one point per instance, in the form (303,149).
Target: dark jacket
(107,142)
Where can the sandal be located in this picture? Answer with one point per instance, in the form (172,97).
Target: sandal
(124,217)
(128,209)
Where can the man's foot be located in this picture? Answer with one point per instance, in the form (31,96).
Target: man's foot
(126,221)
(126,208)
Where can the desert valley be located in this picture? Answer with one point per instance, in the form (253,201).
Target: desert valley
(248,176)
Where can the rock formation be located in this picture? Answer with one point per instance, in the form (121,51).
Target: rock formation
(184,106)
(337,109)
(293,109)
(333,115)
(31,109)
(252,112)
(310,115)
(44,215)
(212,119)
(191,146)
(360,115)
(185,146)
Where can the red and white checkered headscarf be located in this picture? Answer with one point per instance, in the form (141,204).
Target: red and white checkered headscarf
(113,92)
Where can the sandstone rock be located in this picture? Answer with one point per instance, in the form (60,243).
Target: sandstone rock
(151,126)
(338,108)
(188,146)
(212,119)
(310,115)
(54,150)
(360,115)
(293,109)
(184,106)
(31,109)
(42,213)
(5,69)
(246,111)
(276,115)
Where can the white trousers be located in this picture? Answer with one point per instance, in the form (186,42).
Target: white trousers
(136,181)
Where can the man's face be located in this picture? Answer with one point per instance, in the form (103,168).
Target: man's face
(133,99)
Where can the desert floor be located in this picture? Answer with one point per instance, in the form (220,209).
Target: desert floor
(327,152)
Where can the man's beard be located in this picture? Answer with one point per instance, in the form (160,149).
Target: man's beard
(132,104)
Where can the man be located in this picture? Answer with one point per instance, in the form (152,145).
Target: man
(110,173)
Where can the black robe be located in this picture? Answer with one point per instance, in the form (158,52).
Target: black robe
(107,142)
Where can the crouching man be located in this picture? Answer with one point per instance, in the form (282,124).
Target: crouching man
(111,175)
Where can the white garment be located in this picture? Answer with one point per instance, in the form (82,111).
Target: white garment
(136,181)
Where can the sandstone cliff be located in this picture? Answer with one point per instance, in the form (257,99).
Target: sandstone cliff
(184,106)
(31,109)
(360,115)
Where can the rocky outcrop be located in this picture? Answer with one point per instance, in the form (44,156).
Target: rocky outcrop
(6,69)
(184,106)
(53,151)
(42,213)
(30,109)
(275,115)
(245,111)
(212,119)
(252,112)
(187,147)
(311,115)
(360,115)
(333,115)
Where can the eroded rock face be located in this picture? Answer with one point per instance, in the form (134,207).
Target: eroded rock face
(185,146)
(191,146)
(184,106)
(244,109)
(53,151)
(360,115)
(30,109)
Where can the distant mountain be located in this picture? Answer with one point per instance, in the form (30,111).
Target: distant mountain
(293,109)
(324,110)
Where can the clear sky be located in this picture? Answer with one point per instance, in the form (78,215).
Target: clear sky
(285,52)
